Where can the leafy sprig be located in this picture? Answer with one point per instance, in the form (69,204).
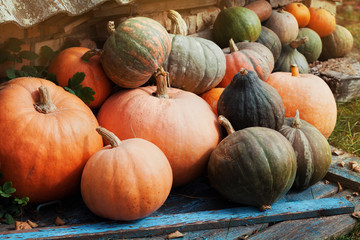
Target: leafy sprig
(86,94)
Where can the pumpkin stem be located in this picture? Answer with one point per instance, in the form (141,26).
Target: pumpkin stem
(162,78)
(226,124)
(89,54)
(243,71)
(111,27)
(232,45)
(109,136)
(299,41)
(265,207)
(178,25)
(296,123)
(294,70)
(45,104)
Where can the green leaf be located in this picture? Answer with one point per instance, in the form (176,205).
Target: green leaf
(47,53)
(86,94)
(4,55)
(2,211)
(69,90)
(76,79)
(21,201)
(8,219)
(18,59)
(7,188)
(10,73)
(30,71)
(14,44)
(28,55)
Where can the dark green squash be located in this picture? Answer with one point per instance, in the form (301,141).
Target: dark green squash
(253,166)
(248,101)
(270,39)
(313,152)
(290,55)
(238,23)
(313,47)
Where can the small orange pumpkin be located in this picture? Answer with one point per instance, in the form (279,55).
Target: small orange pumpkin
(321,21)
(300,11)
(212,97)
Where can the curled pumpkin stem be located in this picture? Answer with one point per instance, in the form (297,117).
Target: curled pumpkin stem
(226,124)
(162,78)
(89,54)
(178,25)
(45,104)
(109,136)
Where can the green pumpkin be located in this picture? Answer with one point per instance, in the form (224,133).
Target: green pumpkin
(270,39)
(238,23)
(313,47)
(253,166)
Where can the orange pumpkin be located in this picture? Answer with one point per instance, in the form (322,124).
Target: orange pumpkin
(179,122)
(262,8)
(300,11)
(81,59)
(47,135)
(321,21)
(310,95)
(126,180)
(212,97)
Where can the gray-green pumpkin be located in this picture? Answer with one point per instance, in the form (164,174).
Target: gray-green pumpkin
(313,47)
(270,39)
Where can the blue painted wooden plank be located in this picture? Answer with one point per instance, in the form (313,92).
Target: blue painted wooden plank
(344,175)
(155,225)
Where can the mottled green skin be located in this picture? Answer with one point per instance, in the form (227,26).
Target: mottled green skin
(238,23)
(290,56)
(313,152)
(312,48)
(254,166)
(134,52)
(248,102)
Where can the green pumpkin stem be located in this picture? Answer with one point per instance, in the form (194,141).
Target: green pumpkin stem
(89,54)
(226,124)
(294,70)
(297,42)
(296,123)
(232,45)
(178,25)
(109,136)
(162,79)
(111,27)
(45,104)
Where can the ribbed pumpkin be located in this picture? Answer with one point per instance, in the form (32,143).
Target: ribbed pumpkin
(270,40)
(310,95)
(321,21)
(134,51)
(212,96)
(180,123)
(126,180)
(312,48)
(248,101)
(81,59)
(250,55)
(284,24)
(238,23)
(337,44)
(290,55)
(313,152)
(300,11)
(262,8)
(253,166)
(47,135)
(195,64)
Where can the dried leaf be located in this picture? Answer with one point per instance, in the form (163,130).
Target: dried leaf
(352,164)
(244,237)
(356,214)
(32,224)
(356,169)
(340,187)
(341,163)
(355,194)
(337,152)
(22,225)
(326,181)
(348,197)
(176,234)
(59,222)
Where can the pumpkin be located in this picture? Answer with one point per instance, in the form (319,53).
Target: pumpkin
(179,122)
(195,64)
(312,48)
(300,11)
(310,95)
(134,51)
(313,152)
(290,55)
(212,97)
(47,137)
(262,8)
(321,21)
(337,44)
(126,180)
(284,24)
(253,166)
(248,102)
(80,59)
(238,23)
(270,40)
(250,55)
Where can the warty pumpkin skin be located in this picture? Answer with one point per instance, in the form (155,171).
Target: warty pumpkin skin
(270,40)
(248,102)
(253,166)
(134,51)
(310,95)
(262,8)
(321,21)
(300,11)
(126,180)
(44,146)
(81,59)
(313,152)
(313,47)
(180,123)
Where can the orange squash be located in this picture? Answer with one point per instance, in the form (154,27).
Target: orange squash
(300,11)
(321,21)
(310,95)
(212,97)
(262,8)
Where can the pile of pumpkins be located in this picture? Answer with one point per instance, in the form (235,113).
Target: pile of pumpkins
(147,139)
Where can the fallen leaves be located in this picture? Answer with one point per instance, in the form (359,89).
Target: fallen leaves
(176,234)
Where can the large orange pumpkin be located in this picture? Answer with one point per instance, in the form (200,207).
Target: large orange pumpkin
(126,180)
(179,122)
(47,135)
(321,21)
(300,11)
(81,59)
(212,97)
(310,95)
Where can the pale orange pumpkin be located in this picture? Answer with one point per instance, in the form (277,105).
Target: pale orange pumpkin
(126,180)
(321,21)
(212,97)
(300,11)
